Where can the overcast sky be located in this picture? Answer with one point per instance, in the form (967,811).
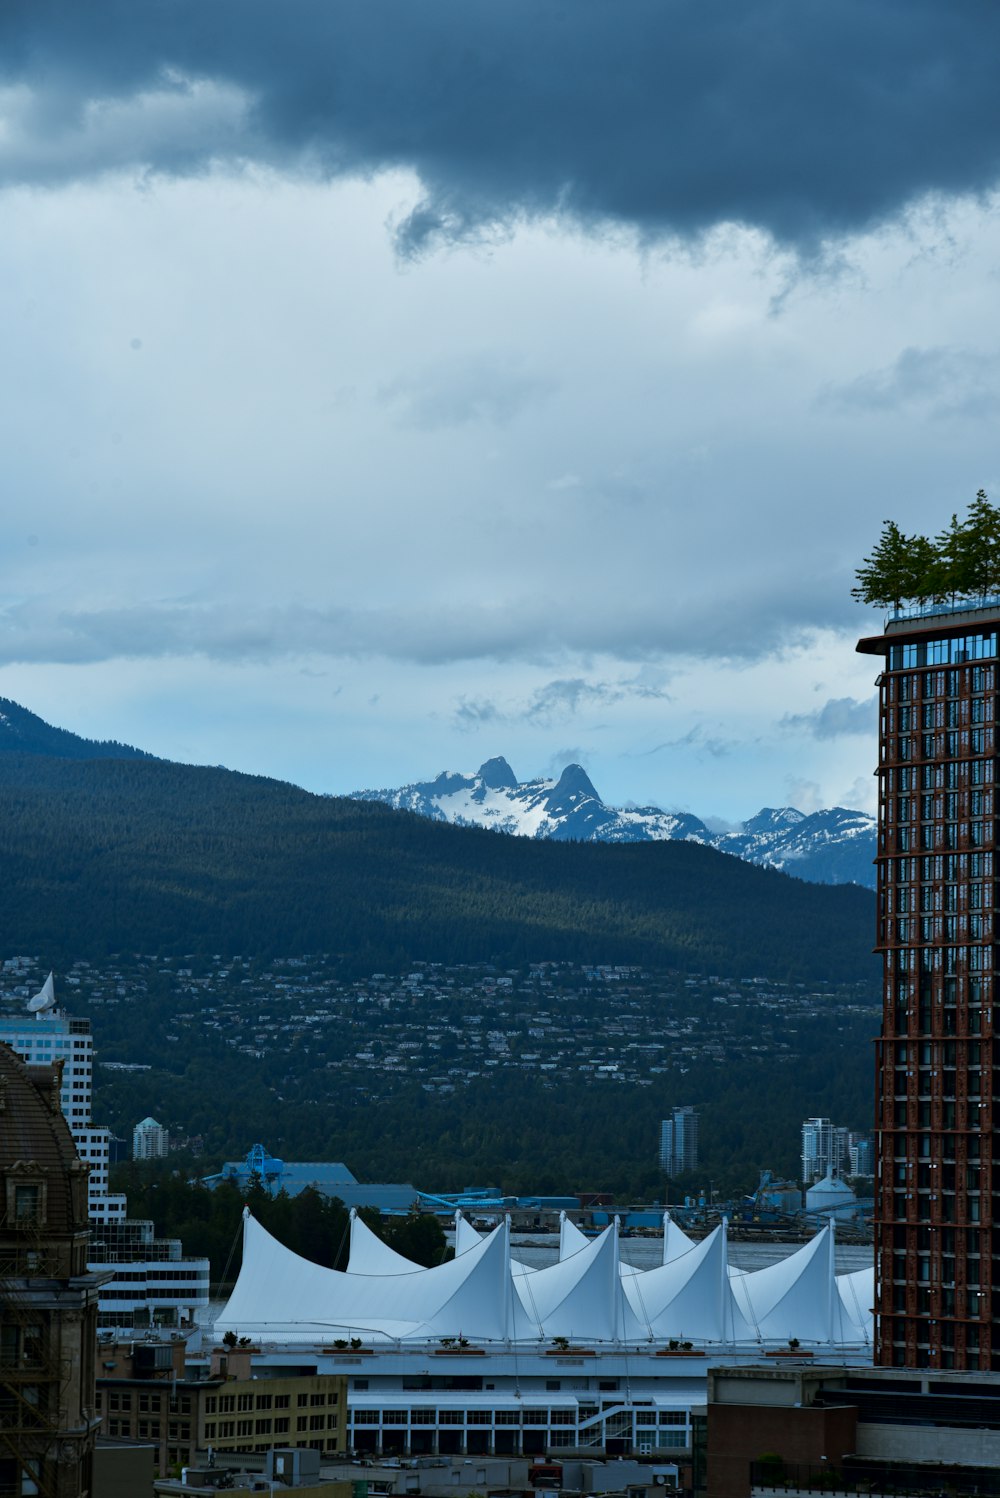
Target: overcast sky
(390,386)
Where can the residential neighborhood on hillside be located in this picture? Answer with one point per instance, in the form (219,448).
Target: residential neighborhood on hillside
(198,1042)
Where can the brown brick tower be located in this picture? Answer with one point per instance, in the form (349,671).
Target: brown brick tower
(937,1220)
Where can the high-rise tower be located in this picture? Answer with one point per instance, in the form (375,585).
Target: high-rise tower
(937,1220)
(679,1141)
(153,1284)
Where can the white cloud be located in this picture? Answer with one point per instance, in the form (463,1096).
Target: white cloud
(664,508)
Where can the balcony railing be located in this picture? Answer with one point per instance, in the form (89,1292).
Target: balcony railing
(930,609)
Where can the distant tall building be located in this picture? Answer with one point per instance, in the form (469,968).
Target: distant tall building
(937,1186)
(43,1034)
(150,1140)
(861,1154)
(679,1141)
(153,1284)
(824,1149)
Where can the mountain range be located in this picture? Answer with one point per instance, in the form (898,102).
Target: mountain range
(836,846)
(107,851)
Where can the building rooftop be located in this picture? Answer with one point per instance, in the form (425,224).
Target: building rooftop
(36,1145)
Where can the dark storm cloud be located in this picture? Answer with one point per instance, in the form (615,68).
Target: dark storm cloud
(804,117)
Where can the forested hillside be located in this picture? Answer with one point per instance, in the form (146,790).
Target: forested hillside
(138,855)
(24,732)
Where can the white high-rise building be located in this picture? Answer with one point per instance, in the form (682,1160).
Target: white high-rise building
(44,1034)
(679,1141)
(150,1140)
(153,1285)
(824,1148)
(817,1146)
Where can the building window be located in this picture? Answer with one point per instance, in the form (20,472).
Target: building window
(26,1203)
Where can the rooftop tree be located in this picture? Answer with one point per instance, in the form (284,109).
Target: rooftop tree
(963,562)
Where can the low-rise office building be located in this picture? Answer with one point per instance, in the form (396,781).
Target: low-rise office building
(229,1403)
(804,1429)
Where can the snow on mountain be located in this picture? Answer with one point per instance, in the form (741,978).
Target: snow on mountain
(569,808)
(836,846)
(827,847)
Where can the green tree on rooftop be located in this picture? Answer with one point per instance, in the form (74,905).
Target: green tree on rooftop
(963,562)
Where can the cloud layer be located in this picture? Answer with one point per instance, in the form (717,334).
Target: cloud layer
(837,717)
(805,119)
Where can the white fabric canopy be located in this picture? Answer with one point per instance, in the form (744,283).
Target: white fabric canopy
(369,1255)
(798,1297)
(571,1239)
(466,1237)
(675,1240)
(280,1294)
(581,1297)
(483,1295)
(690,1298)
(857,1291)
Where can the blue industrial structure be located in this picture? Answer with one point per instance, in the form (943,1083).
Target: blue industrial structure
(328,1177)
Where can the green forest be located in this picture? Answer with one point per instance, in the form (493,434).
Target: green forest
(209,1221)
(134,855)
(962,563)
(756,1067)
(107,858)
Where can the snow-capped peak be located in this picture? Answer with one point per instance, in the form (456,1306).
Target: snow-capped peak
(833,847)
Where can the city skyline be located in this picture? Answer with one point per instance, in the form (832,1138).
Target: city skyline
(380,398)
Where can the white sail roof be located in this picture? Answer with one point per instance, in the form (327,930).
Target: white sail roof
(571,1239)
(675,1240)
(857,1291)
(466,1236)
(483,1296)
(798,1297)
(581,1297)
(690,1298)
(369,1255)
(280,1295)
